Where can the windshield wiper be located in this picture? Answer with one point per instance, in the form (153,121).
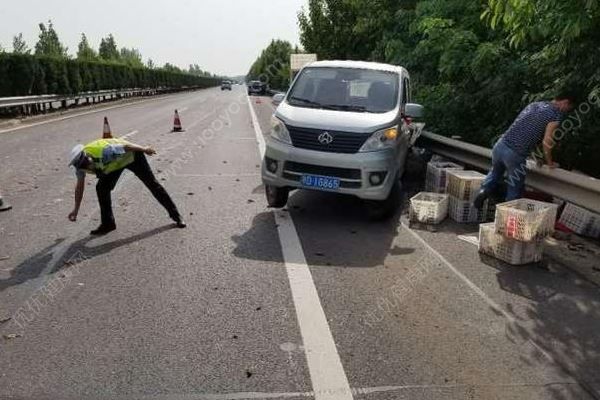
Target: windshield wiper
(306,101)
(345,107)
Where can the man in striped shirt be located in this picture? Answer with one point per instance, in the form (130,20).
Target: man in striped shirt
(536,124)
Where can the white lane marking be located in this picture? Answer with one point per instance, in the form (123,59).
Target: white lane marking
(460,275)
(498,309)
(130,134)
(184,109)
(326,371)
(74,116)
(259,135)
(327,374)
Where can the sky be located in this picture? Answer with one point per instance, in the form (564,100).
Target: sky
(221,36)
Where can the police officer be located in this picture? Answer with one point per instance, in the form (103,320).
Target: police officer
(107,158)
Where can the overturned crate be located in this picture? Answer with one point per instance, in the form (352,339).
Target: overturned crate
(526,220)
(436,176)
(581,221)
(464,185)
(463,211)
(428,208)
(511,251)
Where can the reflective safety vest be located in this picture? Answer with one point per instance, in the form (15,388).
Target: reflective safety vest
(95,150)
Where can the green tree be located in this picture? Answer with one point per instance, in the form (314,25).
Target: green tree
(19,45)
(108,49)
(84,50)
(131,57)
(171,68)
(48,43)
(273,65)
(150,64)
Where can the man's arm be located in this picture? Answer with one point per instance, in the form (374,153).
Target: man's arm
(79,189)
(549,143)
(139,149)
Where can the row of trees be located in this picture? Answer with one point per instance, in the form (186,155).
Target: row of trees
(273,65)
(24,74)
(47,68)
(474,63)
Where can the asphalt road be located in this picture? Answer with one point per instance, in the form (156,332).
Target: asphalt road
(313,301)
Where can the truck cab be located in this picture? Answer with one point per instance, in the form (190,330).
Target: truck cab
(343,127)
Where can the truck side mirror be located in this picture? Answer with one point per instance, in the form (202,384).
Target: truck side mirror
(414,110)
(278,98)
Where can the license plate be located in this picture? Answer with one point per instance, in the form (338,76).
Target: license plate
(320,182)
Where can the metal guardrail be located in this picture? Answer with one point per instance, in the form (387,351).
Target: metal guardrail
(575,188)
(24,101)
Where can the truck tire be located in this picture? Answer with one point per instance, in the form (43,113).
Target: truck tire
(277,197)
(380,210)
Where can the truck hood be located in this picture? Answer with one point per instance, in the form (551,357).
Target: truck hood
(314,118)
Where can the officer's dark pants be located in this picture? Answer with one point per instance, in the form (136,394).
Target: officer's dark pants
(141,169)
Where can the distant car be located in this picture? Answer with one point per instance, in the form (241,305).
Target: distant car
(226,85)
(257,87)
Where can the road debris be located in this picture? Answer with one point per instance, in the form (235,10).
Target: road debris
(11,336)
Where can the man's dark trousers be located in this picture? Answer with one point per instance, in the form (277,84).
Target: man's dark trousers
(141,169)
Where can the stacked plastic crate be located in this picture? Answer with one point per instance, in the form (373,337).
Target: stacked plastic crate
(518,233)
(428,208)
(581,221)
(463,187)
(436,177)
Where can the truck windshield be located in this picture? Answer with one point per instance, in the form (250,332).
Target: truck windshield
(346,89)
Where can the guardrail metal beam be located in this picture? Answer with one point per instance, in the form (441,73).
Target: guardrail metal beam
(578,189)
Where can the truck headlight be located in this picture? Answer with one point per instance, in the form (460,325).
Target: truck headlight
(381,140)
(279,131)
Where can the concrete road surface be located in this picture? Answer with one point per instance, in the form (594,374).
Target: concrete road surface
(309,302)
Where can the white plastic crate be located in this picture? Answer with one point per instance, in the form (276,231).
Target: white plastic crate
(463,211)
(435,179)
(508,250)
(581,221)
(526,220)
(464,185)
(428,208)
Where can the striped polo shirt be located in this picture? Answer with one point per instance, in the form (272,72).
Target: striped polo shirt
(528,130)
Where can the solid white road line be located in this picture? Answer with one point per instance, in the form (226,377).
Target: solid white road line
(326,371)
(130,134)
(493,305)
(327,374)
(66,117)
(259,135)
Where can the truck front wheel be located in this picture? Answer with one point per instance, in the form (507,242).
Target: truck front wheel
(379,210)
(277,197)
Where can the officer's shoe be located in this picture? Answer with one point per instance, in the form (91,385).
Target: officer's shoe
(179,222)
(482,196)
(103,230)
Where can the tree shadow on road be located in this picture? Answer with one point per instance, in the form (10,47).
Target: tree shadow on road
(562,317)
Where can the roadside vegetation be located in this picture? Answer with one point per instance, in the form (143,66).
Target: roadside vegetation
(475,63)
(273,65)
(47,68)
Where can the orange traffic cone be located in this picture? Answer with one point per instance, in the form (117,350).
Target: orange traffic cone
(177,123)
(106,133)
